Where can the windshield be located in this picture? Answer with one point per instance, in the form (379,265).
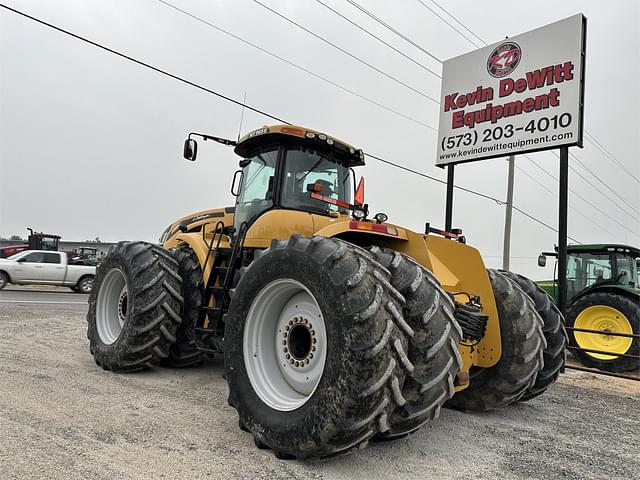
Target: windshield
(256,190)
(586,269)
(310,171)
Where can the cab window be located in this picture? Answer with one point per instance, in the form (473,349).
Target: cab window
(308,171)
(258,181)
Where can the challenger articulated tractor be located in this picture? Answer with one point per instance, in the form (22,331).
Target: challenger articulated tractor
(337,326)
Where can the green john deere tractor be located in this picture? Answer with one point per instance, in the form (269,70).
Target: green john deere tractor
(603,295)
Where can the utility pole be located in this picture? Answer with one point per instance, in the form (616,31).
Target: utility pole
(506,248)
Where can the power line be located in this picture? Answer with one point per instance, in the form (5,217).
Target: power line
(532,178)
(604,184)
(588,202)
(421,2)
(459,22)
(254,109)
(397,32)
(299,67)
(344,17)
(590,138)
(346,52)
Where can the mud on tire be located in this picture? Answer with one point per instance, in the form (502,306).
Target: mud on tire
(184,353)
(366,361)
(554,334)
(433,347)
(134,307)
(523,344)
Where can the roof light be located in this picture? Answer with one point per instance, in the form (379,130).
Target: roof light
(352,151)
(310,135)
(381,217)
(329,141)
(358,213)
(322,136)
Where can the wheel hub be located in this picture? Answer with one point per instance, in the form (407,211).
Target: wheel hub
(300,341)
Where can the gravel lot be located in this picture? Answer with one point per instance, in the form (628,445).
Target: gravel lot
(63,417)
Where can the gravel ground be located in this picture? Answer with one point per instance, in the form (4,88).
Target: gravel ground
(62,417)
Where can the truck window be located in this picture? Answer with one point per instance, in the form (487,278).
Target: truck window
(34,257)
(51,258)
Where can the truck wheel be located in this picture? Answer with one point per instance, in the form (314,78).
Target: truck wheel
(184,352)
(85,285)
(523,344)
(315,346)
(554,334)
(134,307)
(433,347)
(605,311)
(4,280)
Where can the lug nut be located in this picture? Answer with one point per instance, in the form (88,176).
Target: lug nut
(284,342)
(313,348)
(313,340)
(313,332)
(307,361)
(311,355)
(288,356)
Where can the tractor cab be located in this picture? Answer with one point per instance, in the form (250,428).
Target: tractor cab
(597,265)
(291,168)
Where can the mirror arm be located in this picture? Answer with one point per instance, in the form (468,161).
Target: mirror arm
(205,137)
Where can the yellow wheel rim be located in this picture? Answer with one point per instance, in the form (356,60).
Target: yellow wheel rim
(605,318)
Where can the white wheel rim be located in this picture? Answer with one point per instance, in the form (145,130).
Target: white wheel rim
(112,306)
(284,344)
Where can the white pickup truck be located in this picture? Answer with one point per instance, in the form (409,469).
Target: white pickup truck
(45,268)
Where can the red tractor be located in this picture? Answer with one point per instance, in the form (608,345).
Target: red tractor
(36,241)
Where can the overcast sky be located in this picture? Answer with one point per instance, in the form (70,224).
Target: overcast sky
(90,144)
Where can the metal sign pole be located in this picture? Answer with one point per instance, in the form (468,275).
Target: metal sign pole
(506,248)
(448,218)
(562,229)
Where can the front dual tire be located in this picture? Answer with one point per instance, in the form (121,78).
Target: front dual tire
(318,351)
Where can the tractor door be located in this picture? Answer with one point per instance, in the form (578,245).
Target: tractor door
(258,184)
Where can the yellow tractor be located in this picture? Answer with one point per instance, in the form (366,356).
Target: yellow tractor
(337,327)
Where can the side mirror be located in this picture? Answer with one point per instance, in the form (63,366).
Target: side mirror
(190,149)
(542,261)
(235,184)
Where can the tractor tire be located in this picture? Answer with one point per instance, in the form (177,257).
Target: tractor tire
(134,307)
(185,353)
(433,347)
(315,346)
(4,280)
(605,311)
(554,334)
(523,345)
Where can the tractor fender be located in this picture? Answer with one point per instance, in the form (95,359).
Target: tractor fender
(200,246)
(616,289)
(355,229)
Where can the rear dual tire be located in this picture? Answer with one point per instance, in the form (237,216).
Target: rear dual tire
(523,344)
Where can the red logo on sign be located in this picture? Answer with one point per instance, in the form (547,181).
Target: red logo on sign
(504,59)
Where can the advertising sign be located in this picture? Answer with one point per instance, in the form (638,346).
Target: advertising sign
(519,95)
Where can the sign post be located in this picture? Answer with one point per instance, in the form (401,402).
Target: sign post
(523,94)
